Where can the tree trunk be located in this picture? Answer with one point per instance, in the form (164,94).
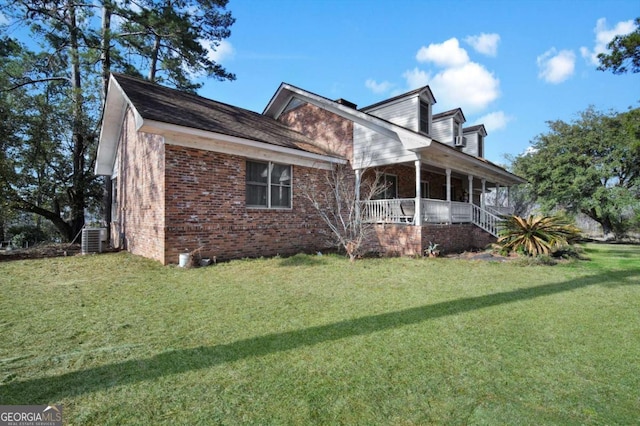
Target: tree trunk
(605,222)
(65,229)
(106,70)
(77,192)
(105,54)
(154,59)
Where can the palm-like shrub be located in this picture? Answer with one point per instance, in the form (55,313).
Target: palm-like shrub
(537,235)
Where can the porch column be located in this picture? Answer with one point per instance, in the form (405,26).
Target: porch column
(484,188)
(449,192)
(498,200)
(470,177)
(508,196)
(418,208)
(358,177)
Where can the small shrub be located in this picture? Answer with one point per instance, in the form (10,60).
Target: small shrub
(539,260)
(432,250)
(26,234)
(537,235)
(569,252)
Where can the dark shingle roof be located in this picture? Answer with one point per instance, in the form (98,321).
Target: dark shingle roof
(163,104)
(403,95)
(449,113)
(470,129)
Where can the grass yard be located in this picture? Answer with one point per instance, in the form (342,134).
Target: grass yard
(306,340)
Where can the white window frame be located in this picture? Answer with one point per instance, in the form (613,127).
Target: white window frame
(270,186)
(115,217)
(395,185)
(424,189)
(422,119)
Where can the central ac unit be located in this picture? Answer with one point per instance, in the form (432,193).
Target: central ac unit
(459,141)
(92,240)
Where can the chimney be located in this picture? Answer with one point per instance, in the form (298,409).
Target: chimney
(346,103)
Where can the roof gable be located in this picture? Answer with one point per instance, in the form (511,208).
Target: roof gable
(449,114)
(166,105)
(159,109)
(478,128)
(422,92)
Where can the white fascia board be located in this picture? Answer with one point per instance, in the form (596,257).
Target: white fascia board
(233,145)
(115,108)
(476,166)
(409,139)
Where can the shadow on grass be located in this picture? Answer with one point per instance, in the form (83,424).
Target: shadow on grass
(616,250)
(53,389)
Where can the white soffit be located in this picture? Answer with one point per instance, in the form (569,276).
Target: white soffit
(232,145)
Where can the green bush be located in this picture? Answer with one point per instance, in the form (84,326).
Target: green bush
(23,234)
(537,235)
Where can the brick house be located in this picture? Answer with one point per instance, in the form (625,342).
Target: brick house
(189,172)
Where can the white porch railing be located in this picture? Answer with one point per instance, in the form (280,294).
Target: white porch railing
(389,211)
(441,211)
(402,211)
(499,210)
(486,220)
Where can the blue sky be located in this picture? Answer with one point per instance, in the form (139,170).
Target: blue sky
(511,64)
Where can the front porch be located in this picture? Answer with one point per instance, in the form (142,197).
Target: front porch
(422,203)
(433,211)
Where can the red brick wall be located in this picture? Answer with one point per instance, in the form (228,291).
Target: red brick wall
(456,237)
(396,240)
(437,182)
(407,240)
(326,128)
(205,200)
(138,223)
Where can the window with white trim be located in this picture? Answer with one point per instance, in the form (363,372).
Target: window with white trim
(424,189)
(115,217)
(268,185)
(390,190)
(424,117)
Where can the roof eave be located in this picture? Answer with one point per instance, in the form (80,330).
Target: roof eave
(482,166)
(162,128)
(115,108)
(286,92)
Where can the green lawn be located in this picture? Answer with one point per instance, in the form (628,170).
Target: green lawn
(120,340)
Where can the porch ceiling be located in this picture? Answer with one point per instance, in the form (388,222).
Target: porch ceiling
(444,157)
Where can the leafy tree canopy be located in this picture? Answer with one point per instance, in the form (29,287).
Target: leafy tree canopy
(590,165)
(625,53)
(52,88)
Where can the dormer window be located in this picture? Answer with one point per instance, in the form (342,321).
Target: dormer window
(424,117)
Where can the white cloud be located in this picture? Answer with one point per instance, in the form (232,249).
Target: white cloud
(494,121)
(604,37)
(470,86)
(223,51)
(416,78)
(447,54)
(376,87)
(555,67)
(487,44)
